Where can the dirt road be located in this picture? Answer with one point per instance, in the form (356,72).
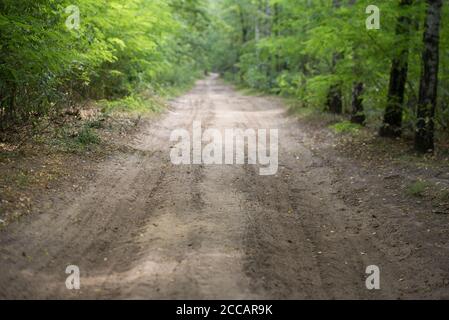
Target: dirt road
(145,228)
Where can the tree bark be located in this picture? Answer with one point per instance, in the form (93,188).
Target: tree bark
(334,99)
(335,95)
(358,115)
(392,123)
(428,89)
(245,31)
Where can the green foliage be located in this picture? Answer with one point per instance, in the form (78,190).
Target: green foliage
(121,47)
(288,47)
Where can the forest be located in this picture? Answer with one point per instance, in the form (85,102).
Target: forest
(56,54)
(224,149)
(321,53)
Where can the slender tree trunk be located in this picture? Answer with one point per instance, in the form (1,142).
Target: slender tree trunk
(12,104)
(358,115)
(276,18)
(424,138)
(392,124)
(268,34)
(245,38)
(258,25)
(245,31)
(335,95)
(334,99)
(268,22)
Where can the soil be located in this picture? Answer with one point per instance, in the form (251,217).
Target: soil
(140,227)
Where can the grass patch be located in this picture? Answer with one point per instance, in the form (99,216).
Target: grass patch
(6,155)
(70,140)
(311,115)
(346,127)
(96,124)
(20,178)
(432,191)
(175,91)
(418,188)
(86,136)
(132,104)
(300,111)
(251,92)
(444,195)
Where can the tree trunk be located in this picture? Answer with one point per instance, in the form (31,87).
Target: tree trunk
(335,95)
(12,104)
(334,99)
(276,19)
(268,22)
(392,124)
(245,38)
(245,31)
(424,138)
(358,115)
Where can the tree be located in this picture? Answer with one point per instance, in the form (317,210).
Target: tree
(357,109)
(424,138)
(335,95)
(357,115)
(392,124)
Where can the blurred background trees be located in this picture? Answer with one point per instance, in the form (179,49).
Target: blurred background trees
(321,53)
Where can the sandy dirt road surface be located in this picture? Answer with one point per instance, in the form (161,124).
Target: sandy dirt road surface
(147,229)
